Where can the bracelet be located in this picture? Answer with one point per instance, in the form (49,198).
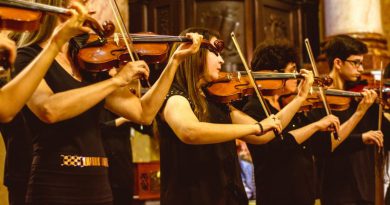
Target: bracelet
(261,129)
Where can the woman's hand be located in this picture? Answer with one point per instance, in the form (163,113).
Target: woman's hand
(8,46)
(187,49)
(305,85)
(373,137)
(73,26)
(132,71)
(272,122)
(325,123)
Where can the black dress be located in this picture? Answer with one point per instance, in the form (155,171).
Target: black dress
(18,144)
(285,171)
(51,183)
(199,174)
(116,141)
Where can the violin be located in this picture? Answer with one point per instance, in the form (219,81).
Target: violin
(338,100)
(19,15)
(94,56)
(234,86)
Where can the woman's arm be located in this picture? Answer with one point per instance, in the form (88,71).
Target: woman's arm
(285,115)
(143,110)
(54,107)
(15,94)
(239,117)
(180,117)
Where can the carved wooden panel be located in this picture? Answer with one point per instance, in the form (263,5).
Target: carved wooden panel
(159,16)
(224,17)
(277,20)
(165,16)
(291,20)
(252,20)
(138,16)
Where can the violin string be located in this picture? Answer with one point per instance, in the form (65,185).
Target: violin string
(128,40)
(127,43)
(380,97)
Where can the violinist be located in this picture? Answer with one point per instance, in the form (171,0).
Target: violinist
(284,171)
(25,83)
(199,163)
(69,164)
(355,184)
(16,93)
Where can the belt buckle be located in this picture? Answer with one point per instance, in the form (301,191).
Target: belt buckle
(82,161)
(72,160)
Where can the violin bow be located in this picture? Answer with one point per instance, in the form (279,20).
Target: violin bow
(381,98)
(259,95)
(125,34)
(320,88)
(379,154)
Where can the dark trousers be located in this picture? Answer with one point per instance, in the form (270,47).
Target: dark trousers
(122,196)
(17,194)
(350,203)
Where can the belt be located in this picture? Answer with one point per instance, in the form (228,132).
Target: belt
(80,161)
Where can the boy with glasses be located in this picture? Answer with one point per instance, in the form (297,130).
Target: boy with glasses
(348,174)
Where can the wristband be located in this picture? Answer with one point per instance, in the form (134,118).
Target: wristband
(261,129)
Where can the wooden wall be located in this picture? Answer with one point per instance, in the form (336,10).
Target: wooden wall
(252,20)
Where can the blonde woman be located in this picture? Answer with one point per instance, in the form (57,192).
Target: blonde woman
(69,164)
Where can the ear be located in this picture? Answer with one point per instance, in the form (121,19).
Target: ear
(337,64)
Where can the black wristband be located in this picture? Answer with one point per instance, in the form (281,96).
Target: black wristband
(261,129)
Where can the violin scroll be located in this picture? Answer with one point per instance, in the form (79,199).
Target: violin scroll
(217,48)
(108,28)
(324,81)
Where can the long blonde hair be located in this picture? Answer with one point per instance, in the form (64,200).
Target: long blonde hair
(48,24)
(191,70)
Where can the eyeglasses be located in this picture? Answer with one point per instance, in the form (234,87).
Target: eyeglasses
(355,63)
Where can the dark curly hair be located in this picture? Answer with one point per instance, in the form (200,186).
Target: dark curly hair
(343,46)
(273,55)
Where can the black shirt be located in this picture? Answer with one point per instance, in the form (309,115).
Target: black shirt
(116,141)
(349,172)
(50,182)
(199,174)
(284,170)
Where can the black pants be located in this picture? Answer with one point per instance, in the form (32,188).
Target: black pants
(17,194)
(122,196)
(351,203)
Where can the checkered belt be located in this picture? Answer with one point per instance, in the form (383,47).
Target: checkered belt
(79,161)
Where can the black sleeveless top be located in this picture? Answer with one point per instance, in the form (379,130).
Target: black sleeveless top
(49,181)
(199,174)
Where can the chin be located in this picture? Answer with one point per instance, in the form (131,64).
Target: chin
(353,79)
(215,77)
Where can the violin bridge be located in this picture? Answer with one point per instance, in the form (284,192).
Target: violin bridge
(116,38)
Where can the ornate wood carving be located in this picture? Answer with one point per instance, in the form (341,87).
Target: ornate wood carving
(224,17)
